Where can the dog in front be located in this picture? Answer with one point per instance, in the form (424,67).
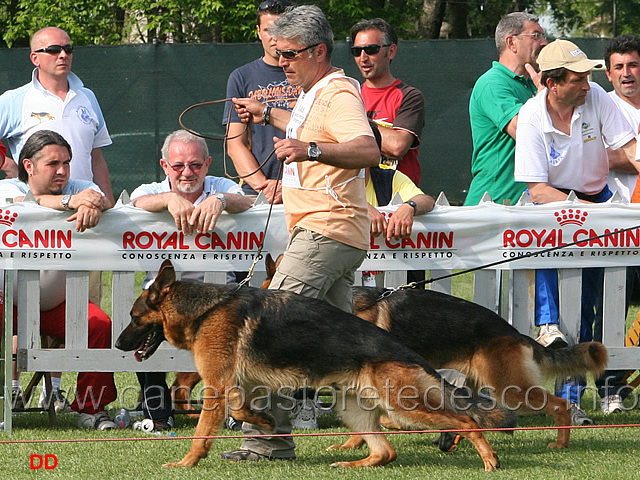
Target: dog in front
(247,338)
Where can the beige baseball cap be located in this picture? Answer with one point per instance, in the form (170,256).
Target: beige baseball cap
(563,53)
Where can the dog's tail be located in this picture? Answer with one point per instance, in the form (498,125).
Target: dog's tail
(587,357)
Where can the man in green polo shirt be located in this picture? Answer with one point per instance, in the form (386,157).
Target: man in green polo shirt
(493,108)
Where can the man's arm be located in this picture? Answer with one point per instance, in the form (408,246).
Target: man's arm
(395,143)
(624,158)
(101,174)
(400,224)
(360,152)
(88,205)
(542,192)
(510,128)
(246,164)
(250,110)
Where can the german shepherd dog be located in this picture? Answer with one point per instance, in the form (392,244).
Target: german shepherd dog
(248,337)
(449,332)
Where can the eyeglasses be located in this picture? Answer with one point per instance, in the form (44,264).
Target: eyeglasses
(291,54)
(276,6)
(368,49)
(535,36)
(179,167)
(56,49)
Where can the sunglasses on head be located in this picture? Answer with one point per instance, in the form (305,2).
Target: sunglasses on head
(291,54)
(278,5)
(368,49)
(55,49)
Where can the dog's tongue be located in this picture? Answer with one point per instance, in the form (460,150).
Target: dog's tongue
(138,355)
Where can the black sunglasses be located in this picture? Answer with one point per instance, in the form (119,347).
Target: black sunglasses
(368,49)
(56,49)
(277,6)
(291,54)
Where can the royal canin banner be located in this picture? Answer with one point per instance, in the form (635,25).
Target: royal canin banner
(130,239)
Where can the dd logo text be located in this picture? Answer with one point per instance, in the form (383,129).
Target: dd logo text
(49,462)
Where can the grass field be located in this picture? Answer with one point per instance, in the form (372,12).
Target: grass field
(593,453)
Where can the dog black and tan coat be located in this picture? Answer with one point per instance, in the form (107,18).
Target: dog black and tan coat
(253,337)
(449,332)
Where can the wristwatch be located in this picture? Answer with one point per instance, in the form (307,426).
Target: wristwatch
(266,115)
(65,201)
(222,198)
(313,152)
(413,204)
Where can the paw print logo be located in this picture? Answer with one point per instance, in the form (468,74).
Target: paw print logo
(571,216)
(7,217)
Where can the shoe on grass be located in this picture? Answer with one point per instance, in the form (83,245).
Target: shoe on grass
(304,415)
(611,404)
(578,416)
(97,421)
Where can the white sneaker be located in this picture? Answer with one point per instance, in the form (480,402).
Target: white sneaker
(550,336)
(611,404)
(99,421)
(578,417)
(304,415)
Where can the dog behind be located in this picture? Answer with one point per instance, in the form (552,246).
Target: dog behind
(251,337)
(449,332)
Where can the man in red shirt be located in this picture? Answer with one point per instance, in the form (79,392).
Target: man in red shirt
(388,101)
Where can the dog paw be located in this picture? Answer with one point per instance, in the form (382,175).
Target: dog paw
(492,465)
(557,445)
(335,446)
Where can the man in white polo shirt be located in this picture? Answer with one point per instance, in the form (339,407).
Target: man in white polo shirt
(560,146)
(57,100)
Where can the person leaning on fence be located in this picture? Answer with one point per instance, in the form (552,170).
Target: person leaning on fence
(43,167)
(561,131)
(329,143)
(264,80)
(195,200)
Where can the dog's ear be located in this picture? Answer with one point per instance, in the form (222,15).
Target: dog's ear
(270,265)
(166,277)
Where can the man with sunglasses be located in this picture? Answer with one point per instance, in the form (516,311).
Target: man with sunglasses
(264,80)
(493,108)
(329,143)
(395,106)
(56,99)
(195,200)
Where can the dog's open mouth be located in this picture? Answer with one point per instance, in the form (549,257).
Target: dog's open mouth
(148,347)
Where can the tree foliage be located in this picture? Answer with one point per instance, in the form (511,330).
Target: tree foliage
(129,21)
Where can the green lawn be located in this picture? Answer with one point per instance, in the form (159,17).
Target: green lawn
(593,453)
